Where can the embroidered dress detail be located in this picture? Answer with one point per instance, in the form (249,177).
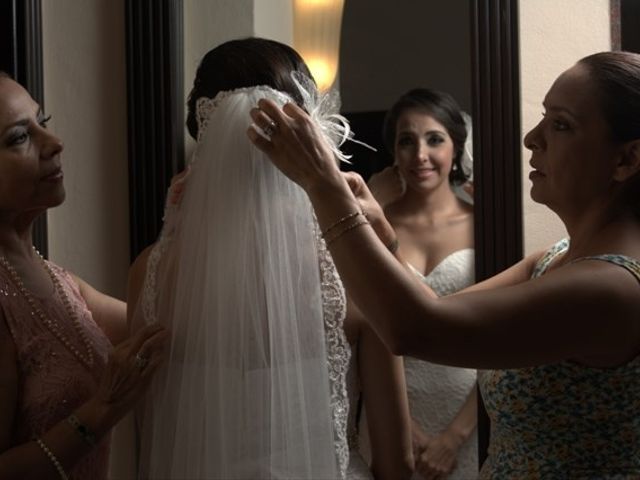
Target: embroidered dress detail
(53,382)
(334,306)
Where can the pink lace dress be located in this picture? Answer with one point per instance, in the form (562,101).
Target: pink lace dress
(53,382)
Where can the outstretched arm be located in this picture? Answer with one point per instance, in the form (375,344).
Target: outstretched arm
(553,318)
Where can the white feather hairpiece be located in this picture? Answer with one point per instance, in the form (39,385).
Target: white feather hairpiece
(323,108)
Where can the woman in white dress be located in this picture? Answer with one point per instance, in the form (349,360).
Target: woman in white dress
(255,383)
(425,131)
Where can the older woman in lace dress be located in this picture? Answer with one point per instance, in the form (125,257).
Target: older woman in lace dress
(62,384)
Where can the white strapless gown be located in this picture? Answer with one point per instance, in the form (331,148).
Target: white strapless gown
(436,392)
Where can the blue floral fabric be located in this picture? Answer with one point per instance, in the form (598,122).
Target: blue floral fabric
(564,421)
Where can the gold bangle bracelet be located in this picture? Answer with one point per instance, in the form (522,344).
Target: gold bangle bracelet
(356,223)
(340,221)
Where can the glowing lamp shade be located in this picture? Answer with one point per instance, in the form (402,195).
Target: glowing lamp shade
(316,36)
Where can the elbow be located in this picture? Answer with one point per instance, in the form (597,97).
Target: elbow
(398,347)
(400,341)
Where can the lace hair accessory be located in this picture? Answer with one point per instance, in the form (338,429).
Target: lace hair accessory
(323,108)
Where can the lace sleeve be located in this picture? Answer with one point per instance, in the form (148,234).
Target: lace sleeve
(334,306)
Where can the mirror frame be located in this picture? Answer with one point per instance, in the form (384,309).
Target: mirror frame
(497,134)
(155,97)
(155,107)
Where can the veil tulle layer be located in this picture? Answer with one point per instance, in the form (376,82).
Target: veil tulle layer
(246,391)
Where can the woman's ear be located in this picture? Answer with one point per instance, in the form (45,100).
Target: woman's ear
(629,161)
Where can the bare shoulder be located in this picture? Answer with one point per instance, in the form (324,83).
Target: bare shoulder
(137,273)
(141,260)
(138,268)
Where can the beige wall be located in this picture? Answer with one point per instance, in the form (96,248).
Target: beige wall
(274,19)
(208,23)
(85,90)
(553,36)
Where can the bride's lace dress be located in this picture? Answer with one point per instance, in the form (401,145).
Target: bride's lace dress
(275,371)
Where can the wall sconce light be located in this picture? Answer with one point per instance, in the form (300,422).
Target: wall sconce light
(316,36)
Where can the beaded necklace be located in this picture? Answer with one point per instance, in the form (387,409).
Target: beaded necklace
(49,322)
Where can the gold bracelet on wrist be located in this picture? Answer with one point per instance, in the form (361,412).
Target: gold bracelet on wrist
(53,458)
(340,221)
(359,220)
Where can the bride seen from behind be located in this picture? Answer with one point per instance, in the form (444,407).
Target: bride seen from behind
(255,386)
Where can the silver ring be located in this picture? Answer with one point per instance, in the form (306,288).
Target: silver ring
(140,361)
(270,129)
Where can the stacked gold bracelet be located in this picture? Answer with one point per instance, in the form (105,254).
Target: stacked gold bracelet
(349,222)
(343,225)
(53,458)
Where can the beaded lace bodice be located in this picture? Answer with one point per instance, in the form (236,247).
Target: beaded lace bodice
(334,306)
(52,381)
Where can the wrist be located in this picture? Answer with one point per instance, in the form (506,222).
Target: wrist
(457,436)
(332,200)
(385,232)
(98,416)
(328,188)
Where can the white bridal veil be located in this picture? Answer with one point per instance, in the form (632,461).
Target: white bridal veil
(246,393)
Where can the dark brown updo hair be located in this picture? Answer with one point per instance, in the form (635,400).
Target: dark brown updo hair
(247,62)
(616,78)
(444,109)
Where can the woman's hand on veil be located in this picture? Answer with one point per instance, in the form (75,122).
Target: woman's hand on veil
(129,371)
(295,144)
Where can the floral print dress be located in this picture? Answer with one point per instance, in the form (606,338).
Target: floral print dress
(565,420)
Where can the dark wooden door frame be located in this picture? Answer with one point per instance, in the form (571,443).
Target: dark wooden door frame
(497,146)
(155,106)
(628,22)
(21,57)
